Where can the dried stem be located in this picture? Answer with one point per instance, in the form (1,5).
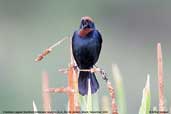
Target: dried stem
(60,90)
(160,78)
(71,90)
(71,95)
(48,50)
(112,94)
(76,93)
(110,88)
(46,98)
(70,81)
(73,83)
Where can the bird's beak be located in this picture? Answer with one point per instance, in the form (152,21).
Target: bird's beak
(84,25)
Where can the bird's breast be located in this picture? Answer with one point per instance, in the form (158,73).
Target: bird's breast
(84,32)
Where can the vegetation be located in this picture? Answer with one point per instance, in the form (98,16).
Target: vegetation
(116,104)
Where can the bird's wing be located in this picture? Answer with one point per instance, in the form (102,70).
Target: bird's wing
(74,48)
(99,37)
(99,45)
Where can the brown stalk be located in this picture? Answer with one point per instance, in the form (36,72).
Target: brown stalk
(46,98)
(160,78)
(60,90)
(76,93)
(71,90)
(71,95)
(70,82)
(112,95)
(48,50)
(73,83)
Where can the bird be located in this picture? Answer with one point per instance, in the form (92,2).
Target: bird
(86,47)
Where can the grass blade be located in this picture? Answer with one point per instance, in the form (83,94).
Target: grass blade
(89,98)
(106,104)
(146,98)
(120,95)
(34,108)
(95,102)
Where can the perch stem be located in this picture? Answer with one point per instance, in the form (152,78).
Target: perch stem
(60,90)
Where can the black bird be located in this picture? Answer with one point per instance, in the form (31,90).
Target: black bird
(86,47)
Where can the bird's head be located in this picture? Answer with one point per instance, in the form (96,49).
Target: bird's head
(87,23)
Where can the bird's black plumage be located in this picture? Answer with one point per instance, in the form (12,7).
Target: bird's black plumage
(86,49)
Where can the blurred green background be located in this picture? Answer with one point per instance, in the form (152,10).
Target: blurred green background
(130,30)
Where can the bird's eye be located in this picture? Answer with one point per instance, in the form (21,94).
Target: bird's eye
(87,21)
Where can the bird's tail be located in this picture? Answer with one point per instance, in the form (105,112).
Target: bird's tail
(83,82)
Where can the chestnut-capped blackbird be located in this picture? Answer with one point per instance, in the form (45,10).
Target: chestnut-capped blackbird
(86,47)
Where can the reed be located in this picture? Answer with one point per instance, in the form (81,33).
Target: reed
(160,78)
